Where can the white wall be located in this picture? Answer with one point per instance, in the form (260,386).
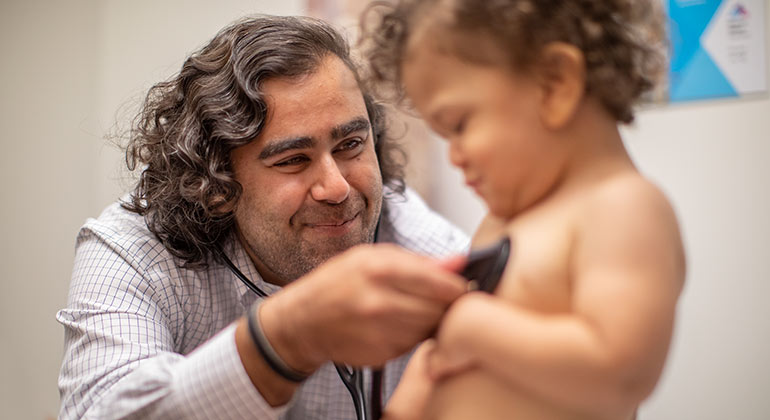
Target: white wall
(47,95)
(66,70)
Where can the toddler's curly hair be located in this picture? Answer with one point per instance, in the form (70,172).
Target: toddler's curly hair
(622,41)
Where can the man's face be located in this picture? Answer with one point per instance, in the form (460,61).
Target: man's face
(311,181)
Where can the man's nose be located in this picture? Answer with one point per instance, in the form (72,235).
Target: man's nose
(330,184)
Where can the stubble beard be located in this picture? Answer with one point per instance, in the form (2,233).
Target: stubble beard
(289,258)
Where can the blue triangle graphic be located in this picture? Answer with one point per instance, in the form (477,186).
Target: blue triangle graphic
(687,22)
(701,78)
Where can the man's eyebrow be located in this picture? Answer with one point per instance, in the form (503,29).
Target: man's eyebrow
(281,146)
(354,126)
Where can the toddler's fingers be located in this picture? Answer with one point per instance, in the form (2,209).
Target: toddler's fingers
(442,364)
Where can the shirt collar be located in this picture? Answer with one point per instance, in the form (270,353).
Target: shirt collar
(241,259)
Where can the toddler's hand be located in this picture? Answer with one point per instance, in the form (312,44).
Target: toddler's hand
(411,395)
(443,362)
(450,355)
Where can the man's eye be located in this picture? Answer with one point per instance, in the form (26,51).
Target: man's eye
(296,160)
(352,144)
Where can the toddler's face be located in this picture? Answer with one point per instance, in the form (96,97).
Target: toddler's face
(489,115)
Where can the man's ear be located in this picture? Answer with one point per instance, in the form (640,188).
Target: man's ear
(562,76)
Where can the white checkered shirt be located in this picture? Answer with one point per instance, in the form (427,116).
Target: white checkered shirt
(146,339)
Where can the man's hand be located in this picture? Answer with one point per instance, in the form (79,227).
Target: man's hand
(363,307)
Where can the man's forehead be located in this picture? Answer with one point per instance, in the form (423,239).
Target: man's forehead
(314,104)
(330,72)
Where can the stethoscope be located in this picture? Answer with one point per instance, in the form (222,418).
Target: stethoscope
(352,377)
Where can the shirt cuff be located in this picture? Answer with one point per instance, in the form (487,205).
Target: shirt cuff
(213,383)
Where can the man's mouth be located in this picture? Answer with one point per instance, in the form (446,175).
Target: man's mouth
(333,223)
(329,224)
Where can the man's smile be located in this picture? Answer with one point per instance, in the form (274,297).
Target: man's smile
(334,227)
(331,223)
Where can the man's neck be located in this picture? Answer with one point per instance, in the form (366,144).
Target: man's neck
(267,275)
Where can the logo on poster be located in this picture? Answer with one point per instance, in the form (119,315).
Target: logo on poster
(739,11)
(738,32)
(738,24)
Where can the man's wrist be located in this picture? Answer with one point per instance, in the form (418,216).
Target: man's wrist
(266,350)
(289,339)
(275,390)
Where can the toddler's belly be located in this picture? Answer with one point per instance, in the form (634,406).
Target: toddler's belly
(477,395)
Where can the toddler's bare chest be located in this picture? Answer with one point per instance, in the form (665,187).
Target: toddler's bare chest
(537,275)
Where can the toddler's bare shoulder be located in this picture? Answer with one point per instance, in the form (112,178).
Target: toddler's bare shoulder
(628,192)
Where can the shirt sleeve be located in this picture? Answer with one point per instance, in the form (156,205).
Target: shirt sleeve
(120,359)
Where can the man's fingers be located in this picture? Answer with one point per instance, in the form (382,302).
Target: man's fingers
(369,290)
(425,277)
(454,263)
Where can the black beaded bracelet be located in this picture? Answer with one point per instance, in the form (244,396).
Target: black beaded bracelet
(267,351)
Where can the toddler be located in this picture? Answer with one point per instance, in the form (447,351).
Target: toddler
(529,95)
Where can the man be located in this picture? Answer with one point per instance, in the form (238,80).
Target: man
(263,152)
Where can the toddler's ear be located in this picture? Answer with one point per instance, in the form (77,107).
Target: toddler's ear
(562,75)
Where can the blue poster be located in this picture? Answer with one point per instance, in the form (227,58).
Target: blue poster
(718,48)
